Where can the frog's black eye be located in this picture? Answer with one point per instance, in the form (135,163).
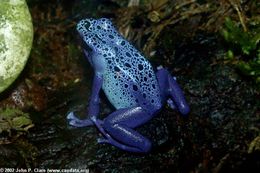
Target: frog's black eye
(87,25)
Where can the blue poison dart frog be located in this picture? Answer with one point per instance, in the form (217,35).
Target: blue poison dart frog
(130,84)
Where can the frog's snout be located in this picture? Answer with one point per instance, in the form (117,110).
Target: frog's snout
(84,25)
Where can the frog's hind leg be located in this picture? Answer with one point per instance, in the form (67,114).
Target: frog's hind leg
(118,129)
(169,87)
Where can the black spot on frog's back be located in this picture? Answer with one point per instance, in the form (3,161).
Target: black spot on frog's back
(128,54)
(140,67)
(111,36)
(127,65)
(135,88)
(116,69)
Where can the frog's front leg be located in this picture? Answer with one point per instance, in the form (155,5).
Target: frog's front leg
(93,109)
(118,129)
(170,88)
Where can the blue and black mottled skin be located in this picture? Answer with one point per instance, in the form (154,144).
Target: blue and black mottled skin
(130,84)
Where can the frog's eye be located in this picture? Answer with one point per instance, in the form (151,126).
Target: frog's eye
(87,25)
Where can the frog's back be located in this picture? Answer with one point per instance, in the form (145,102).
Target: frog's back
(129,79)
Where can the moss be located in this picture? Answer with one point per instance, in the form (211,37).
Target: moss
(11,118)
(245,46)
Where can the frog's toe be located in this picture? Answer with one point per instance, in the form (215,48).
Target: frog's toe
(159,67)
(71,116)
(80,123)
(94,119)
(171,104)
(74,121)
(102,141)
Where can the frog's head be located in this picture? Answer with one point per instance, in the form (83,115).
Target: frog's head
(92,30)
(87,26)
(94,34)
(92,26)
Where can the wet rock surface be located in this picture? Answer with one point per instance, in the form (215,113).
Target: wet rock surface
(215,136)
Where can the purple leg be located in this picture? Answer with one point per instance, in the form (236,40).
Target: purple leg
(93,109)
(118,129)
(169,87)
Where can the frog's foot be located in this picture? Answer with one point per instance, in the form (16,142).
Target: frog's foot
(74,121)
(170,88)
(171,104)
(177,96)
